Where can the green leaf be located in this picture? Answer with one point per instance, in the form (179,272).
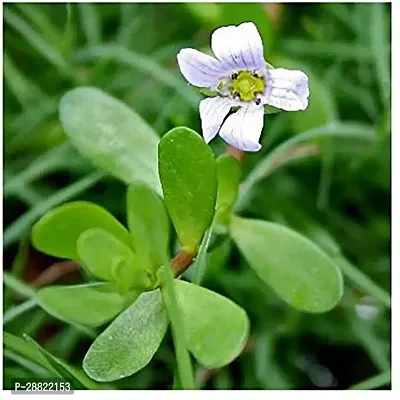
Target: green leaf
(21,347)
(111,135)
(57,232)
(279,156)
(379,39)
(130,341)
(271,110)
(149,226)
(41,46)
(229,174)
(188,175)
(299,271)
(62,369)
(216,328)
(19,309)
(208,14)
(90,304)
(200,264)
(111,260)
(375,382)
(206,91)
(30,350)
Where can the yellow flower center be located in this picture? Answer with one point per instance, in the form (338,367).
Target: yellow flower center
(247,85)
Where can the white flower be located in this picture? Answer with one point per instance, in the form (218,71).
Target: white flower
(244,83)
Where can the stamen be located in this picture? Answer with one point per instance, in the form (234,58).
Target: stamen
(247,85)
(236,96)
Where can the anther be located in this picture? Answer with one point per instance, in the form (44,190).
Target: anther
(257,101)
(234,76)
(236,95)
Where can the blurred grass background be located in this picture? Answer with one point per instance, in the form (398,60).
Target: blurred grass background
(339,195)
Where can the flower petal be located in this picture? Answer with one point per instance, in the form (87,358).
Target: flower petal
(286,89)
(200,69)
(240,47)
(243,128)
(213,111)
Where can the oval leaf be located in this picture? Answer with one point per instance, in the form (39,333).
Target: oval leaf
(57,232)
(130,341)
(111,260)
(111,135)
(90,304)
(299,271)
(216,328)
(229,174)
(188,176)
(149,226)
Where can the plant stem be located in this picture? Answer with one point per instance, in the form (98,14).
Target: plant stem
(181,262)
(17,285)
(184,364)
(234,152)
(363,282)
(16,311)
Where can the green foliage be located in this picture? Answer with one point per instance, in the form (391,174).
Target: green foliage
(375,382)
(57,232)
(32,352)
(111,260)
(211,322)
(89,304)
(200,263)
(120,141)
(323,172)
(229,174)
(298,271)
(148,225)
(189,182)
(129,342)
(185,379)
(58,366)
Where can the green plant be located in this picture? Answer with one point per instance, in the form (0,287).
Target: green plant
(334,213)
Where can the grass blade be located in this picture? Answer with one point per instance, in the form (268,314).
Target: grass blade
(364,282)
(375,382)
(143,64)
(91,23)
(16,311)
(51,54)
(379,40)
(342,51)
(20,225)
(17,285)
(272,160)
(45,164)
